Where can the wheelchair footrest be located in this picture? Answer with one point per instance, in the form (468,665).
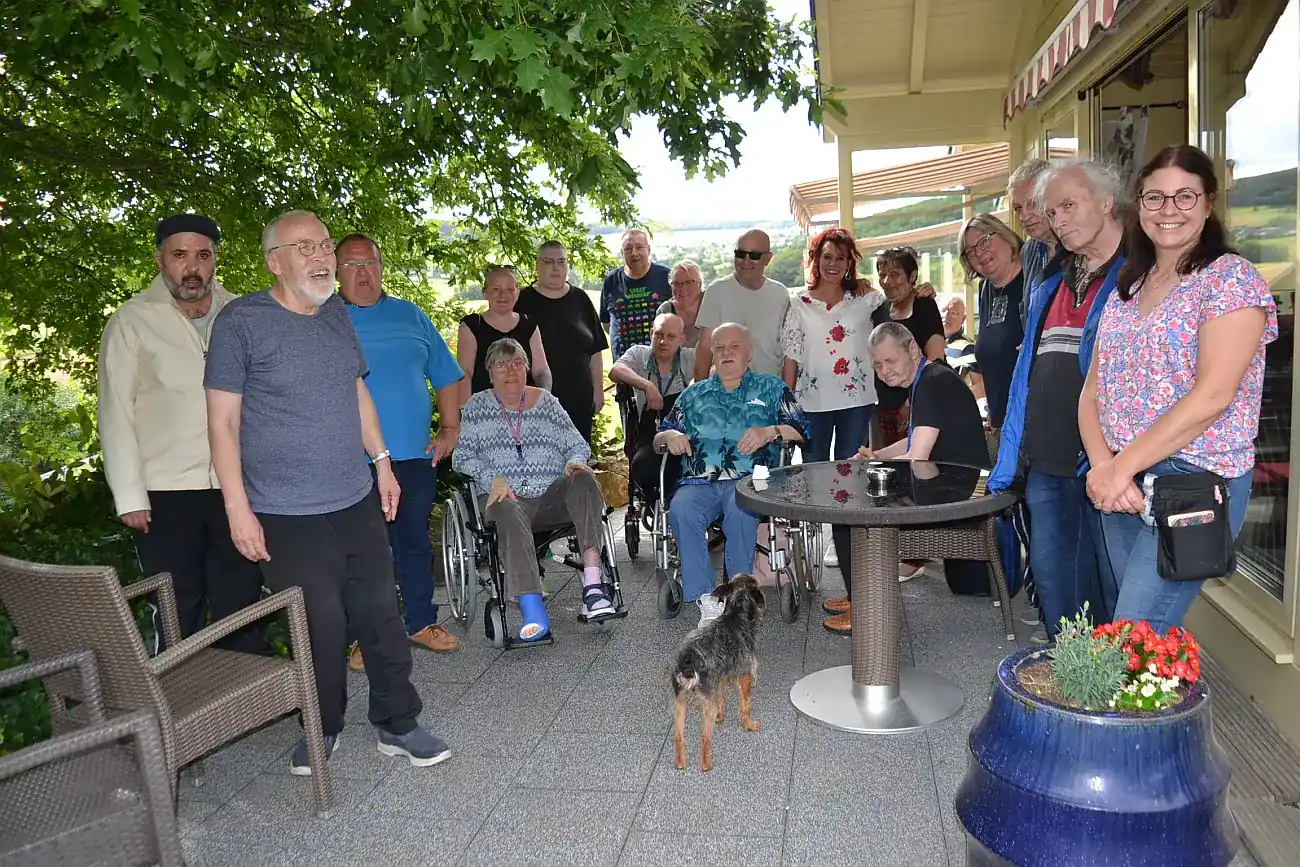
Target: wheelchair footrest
(617,614)
(515,643)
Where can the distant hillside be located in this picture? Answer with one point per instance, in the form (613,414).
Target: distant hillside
(928,213)
(1276,189)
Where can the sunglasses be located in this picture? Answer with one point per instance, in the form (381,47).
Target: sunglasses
(897,251)
(754,255)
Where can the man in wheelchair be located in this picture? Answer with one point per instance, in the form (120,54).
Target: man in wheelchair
(518,444)
(657,374)
(723,427)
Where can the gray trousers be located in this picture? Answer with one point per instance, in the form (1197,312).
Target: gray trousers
(574,499)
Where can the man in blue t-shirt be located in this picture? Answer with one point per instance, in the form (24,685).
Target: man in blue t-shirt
(631,295)
(406,355)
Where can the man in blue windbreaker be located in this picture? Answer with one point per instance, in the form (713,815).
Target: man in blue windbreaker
(1041,453)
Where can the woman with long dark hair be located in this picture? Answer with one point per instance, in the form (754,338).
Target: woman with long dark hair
(1175,385)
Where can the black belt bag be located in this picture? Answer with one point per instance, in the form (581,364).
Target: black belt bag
(1191,517)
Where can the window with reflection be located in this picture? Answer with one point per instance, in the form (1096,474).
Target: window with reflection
(1250,123)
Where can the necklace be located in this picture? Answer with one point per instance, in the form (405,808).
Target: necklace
(1083,278)
(514,420)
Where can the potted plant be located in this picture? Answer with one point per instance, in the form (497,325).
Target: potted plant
(1098,751)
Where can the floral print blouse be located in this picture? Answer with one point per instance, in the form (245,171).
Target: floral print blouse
(1146,365)
(829,344)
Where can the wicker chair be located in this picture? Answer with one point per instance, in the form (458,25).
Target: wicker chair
(85,798)
(203,697)
(975,540)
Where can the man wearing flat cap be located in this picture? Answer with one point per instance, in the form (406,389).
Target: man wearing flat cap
(154,432)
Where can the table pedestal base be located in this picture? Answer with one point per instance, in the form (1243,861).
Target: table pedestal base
(920,700)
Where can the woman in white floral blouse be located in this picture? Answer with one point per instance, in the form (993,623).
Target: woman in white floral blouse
(826,364)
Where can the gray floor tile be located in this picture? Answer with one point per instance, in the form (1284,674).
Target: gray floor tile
(227,771)
(744,793)
(467,784)
(534,826)
(592,761)
(276,810)
(645,849)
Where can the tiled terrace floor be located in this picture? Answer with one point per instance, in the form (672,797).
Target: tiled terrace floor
(563,755)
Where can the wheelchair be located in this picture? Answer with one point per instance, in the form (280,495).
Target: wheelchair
(797,563)
(473,566)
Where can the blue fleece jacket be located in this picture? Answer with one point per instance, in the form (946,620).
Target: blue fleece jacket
(1013,426)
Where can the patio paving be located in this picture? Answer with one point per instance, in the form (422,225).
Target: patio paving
(563,756)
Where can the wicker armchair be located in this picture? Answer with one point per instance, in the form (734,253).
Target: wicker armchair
(203,697)
(85,798)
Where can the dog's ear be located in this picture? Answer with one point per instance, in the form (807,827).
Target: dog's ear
(723,592)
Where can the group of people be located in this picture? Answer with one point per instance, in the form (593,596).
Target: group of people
(287,437)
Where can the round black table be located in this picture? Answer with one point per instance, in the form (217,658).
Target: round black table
(876,693)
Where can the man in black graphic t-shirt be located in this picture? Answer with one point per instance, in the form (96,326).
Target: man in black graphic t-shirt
(632,294)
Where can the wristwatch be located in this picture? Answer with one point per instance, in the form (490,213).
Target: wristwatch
(777,438)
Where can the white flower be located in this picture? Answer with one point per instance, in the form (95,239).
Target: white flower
(1148,690)
(1152,668)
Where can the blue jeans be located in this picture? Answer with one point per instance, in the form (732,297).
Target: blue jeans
(850,428)
(1132,545)
(693,508)
(408,536)
(1063,550)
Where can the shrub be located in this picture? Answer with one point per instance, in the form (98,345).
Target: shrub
(1087,669)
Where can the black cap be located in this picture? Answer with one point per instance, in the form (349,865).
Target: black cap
(196,223)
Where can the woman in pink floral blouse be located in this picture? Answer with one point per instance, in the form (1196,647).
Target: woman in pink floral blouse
(1176,381)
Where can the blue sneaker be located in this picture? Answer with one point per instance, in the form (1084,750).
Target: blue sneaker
(422,748)
(300,766)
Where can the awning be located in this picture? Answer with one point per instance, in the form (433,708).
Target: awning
(1074,34)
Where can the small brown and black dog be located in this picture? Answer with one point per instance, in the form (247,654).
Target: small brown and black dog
(711,657)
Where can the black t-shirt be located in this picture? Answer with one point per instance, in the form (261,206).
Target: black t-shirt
(924,323)
(997,345)
(485,335)
(571,335)
(943,401)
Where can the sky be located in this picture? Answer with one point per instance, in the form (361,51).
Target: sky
(779,150)
(1264,128)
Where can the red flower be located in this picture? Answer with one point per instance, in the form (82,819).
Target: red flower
(842,496)
(844,469)
(1134,662)
(807,300)
(842,366)
(837,333)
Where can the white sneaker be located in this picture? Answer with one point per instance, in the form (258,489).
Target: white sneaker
(1031,617)
(1039,635)
(711,608)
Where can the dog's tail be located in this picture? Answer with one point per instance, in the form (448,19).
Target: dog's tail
(689,665)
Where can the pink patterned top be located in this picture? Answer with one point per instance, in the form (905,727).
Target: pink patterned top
(1145,366)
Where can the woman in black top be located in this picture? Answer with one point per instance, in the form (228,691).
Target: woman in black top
(991,252)
(897,270)
(478,331)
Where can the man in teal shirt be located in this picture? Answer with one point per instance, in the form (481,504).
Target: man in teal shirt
(406,355)
(723,427)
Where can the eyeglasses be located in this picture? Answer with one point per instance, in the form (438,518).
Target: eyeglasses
(680,284)
(753,255)
(979,246)
(516,364)
(307,247)
(356,266)
(1184,200)
(551,263)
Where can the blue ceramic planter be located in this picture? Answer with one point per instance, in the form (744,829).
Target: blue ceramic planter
(1048,785)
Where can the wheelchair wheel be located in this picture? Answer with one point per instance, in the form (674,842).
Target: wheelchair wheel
(807,555)
(632,536)
(494,626)
(669,600)
(789,600)
(458,567)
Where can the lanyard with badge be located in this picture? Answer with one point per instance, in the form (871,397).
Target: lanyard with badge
(911,403)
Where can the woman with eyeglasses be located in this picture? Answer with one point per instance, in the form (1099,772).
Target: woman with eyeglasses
(990,252)
(519,446)
(1175,384)
(478,331)
(688,288)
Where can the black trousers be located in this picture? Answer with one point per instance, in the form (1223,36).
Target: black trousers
(344,566)
(190,538)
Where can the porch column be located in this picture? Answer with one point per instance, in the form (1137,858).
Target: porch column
(846,183)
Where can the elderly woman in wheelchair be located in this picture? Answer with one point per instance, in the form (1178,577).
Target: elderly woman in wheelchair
(518,445)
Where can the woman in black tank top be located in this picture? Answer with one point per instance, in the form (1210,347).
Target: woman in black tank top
(478,331)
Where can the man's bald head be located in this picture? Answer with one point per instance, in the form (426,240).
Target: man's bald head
(667,335)
(757,238)
(753,253)
(732,351)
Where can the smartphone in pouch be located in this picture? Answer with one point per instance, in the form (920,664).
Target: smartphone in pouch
(1190,515)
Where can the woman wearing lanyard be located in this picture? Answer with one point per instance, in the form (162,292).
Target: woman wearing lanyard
(518,444)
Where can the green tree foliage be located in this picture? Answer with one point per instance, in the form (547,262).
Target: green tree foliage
(787,264)
(457,132)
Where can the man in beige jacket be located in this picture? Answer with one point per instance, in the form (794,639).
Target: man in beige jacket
(153,429)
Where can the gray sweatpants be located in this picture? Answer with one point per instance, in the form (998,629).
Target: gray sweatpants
(574,499)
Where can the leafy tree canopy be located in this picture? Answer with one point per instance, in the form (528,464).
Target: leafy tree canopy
(456,132)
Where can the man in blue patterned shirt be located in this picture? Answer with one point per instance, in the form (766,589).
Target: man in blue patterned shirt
(723,427)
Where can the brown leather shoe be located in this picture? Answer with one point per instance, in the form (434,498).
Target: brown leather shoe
(437,639)
(840,624)
(355,662)
(838,605)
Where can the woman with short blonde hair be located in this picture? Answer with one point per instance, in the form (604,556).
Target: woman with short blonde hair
(990,254)
(687,282)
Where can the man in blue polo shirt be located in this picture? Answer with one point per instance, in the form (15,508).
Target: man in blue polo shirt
(406,355)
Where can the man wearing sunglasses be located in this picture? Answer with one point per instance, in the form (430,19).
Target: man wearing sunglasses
(747,298)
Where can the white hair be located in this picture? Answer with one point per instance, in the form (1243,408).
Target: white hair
(1102,180)
(891,331)
(1029,170)
(268,234)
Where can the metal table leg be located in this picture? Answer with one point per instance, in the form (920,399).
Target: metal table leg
(876,694)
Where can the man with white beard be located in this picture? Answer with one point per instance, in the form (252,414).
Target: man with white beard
(291,422)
